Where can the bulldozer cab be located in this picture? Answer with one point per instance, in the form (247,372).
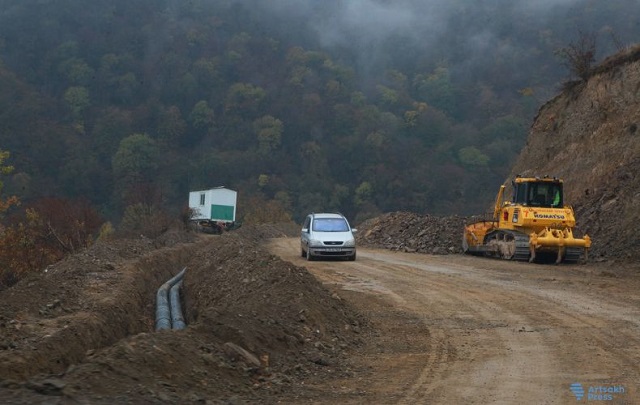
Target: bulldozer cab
(538,193)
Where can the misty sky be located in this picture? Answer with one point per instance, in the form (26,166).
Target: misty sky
(461,33)
(353,22)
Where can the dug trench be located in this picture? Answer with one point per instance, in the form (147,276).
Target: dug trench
(401,325)
(83,329)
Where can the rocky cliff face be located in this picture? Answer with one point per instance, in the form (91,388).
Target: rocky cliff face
(589,135)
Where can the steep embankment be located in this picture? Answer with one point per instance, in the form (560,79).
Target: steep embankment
(589,135)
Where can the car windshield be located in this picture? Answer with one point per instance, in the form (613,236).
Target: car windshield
(330,225)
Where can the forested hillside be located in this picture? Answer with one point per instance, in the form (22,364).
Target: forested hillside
(359,106)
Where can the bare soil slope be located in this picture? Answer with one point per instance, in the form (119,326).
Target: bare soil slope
(589,136)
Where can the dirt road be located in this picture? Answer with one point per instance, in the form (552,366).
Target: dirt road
(465,330)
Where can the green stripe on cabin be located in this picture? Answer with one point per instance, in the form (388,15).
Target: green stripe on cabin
(222,212)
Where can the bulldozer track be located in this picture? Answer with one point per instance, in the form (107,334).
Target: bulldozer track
(522,247)
(521,251)
(573,255)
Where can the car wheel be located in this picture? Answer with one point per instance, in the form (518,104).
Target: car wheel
(303,253)
(309,256)
(352,258)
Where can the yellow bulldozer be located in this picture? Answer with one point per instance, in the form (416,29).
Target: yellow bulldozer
(534,224)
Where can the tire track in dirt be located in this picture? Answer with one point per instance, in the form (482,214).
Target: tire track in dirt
(582,337)
(491,335)
(596,335)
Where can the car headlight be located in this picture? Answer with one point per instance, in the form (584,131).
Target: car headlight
(350,243)
(314,242)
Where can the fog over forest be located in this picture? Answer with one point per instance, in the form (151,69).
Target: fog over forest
(366,24)
(465,36)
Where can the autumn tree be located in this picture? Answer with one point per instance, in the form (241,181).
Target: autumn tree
(5,203)
(259,210)
(44,233)
(144,219)
(22,250)
(7,275)
(70,225)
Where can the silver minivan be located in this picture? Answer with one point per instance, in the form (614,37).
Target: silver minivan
(327,235)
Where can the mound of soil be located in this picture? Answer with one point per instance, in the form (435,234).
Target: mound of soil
(258,328)
(409,232)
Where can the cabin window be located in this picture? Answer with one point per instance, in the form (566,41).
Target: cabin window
(202,199)
(520,196)
(545,194)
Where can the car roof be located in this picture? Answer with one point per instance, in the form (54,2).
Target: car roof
(327,215)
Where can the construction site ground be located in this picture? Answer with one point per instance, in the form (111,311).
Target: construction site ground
(267,326)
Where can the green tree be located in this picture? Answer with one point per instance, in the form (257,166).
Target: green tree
(358,99)
(135,167)
(298,76)
(363,194)
(314,160)
(171,126)
(127,85)
(244,98)
(504,138)
(269,132)
(107,131)
(436,89)
(398,79)
(472,157)
(201,116)
(207,72)
(339,197)
(77,98)
(137,156)
(388,96)
(77,71)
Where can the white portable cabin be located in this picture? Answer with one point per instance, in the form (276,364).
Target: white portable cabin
(216,204)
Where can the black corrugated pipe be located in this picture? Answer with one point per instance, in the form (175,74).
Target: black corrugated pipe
(177,321)
(163,311)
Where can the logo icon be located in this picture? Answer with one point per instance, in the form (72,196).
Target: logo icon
(577,390)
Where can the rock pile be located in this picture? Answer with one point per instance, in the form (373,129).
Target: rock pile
(409,232)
